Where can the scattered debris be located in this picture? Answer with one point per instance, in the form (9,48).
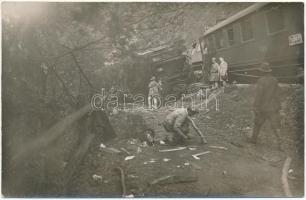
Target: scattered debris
(132,141)
(110,150)
(173,179)
(132,176)
(166,159)
(126,151)
(129,158)
(175,149)
(152,160)
(192,148)
(144,144)
(186,163)
(195,156)
(128,196)
(145,163)
(218,147)
(178,166)
(248,128)
(97,178)
(161,142)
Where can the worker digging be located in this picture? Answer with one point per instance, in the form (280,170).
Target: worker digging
(177,125)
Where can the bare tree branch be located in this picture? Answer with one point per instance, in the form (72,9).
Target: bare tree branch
(66,90)
(81,70)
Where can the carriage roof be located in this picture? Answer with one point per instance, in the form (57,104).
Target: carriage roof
(235,17)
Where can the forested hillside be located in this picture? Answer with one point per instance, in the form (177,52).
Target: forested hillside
(68,50)
(55,56)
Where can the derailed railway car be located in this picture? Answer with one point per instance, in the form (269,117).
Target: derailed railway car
(263,32)
(169,65)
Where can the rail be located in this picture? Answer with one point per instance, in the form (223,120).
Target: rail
(255,68)
(254,76)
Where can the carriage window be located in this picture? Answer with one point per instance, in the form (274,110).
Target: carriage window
(230,36)
(220,41)
(275,21)
(246,30)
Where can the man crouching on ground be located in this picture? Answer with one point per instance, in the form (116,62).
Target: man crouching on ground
(177,125)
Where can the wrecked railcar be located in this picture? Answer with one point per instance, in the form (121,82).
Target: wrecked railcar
(271,32)
(169,64)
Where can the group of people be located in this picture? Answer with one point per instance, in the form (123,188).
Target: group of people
(218,73)
(266,108)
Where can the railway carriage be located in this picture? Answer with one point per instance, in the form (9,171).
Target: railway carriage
(271,32)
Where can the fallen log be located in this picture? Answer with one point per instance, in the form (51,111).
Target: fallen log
(196,156)
(175,149)
(50,135)
(218,147)
(284,177)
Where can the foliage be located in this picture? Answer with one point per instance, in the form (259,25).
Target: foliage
(56,55)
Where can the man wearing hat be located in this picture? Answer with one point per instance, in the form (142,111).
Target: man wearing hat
(177,125)
(267,103)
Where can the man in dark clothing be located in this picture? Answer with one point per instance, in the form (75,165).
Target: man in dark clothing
(267,103)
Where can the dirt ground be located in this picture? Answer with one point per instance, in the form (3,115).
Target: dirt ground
(239,169)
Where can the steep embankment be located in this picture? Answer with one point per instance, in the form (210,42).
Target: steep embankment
(238,169)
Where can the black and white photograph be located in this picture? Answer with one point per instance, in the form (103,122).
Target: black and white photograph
(152,99)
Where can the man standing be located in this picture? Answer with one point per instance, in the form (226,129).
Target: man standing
(223,71)
(215,74)
(267,104)
(153,93)
(177,125)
